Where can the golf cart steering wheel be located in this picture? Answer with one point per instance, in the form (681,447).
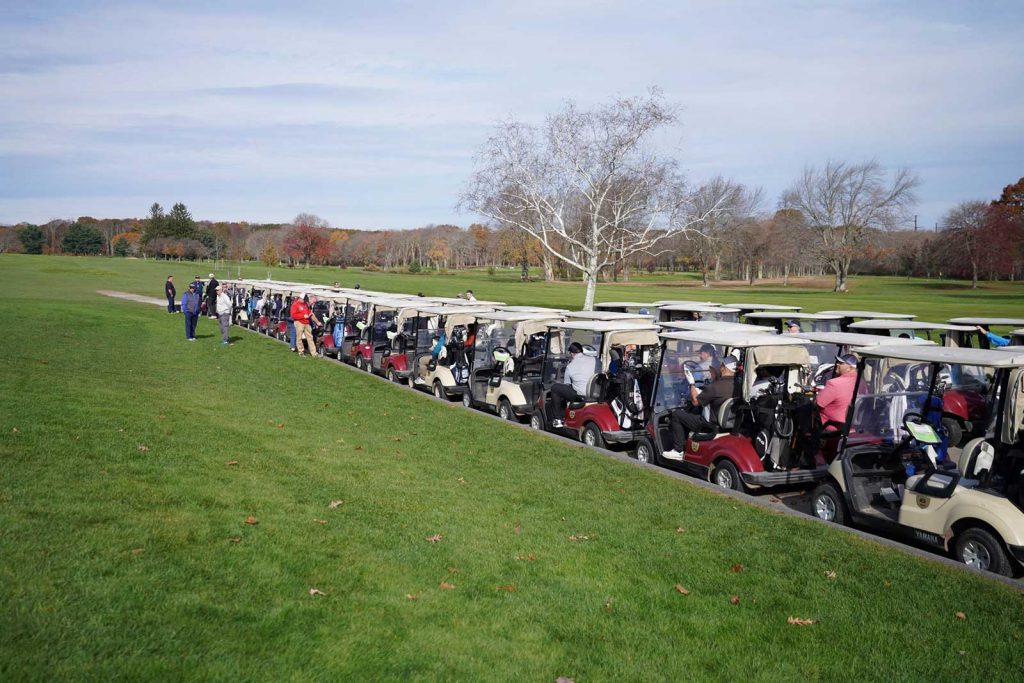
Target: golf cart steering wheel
(909,418)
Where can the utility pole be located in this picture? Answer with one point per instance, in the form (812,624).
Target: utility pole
(915,222)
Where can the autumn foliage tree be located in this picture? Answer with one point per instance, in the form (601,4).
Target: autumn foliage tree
(308,240)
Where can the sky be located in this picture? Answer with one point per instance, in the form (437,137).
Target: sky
(369,114)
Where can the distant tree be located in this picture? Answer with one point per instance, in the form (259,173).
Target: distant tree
(307,241)
(269,255)
(180,223)
(156,224)
(1012,198)
(82,239)
(966,224)
(842,202)
(122,247)
(32,239)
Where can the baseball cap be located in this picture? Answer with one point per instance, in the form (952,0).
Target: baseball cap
(729,362)
(792,322)
(847,359)
(708,348)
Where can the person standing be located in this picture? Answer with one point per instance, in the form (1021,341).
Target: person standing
(190,306)
(300,313)
(171,293)
(223,307)
(212,292)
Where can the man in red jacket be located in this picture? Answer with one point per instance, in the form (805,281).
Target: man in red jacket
(300,314)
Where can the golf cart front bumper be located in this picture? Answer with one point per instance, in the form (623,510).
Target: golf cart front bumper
(781,478)
(522,409)
(623,436)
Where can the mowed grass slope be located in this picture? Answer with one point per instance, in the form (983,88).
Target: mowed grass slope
(125,552)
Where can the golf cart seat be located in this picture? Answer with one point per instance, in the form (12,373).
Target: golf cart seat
(726,415)
(975,458)
(596,386)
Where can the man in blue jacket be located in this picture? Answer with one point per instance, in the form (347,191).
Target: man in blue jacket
(191,306)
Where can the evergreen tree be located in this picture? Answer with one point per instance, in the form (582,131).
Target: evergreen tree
(121,247)
(180,223)
(31,238)
(83,239)
(156,224)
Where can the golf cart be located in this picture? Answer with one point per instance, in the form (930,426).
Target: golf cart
(375,344)
(825,347)
(979,340)
(609,316)
(443,367)
(851,316)
(633,307)
(942,334)
(557,312)
(611,411)
(897,477)
(713,326)
(507,361)
(767,435)
(690,312)
(751,308)
(808,322)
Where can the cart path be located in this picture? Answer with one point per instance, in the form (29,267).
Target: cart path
(133,297)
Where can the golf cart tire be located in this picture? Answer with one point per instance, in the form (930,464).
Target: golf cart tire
(467,399)
(645,451)
(725,474)
(439,390)
(954,430)
(591,435)
(392,377)
(410,381)
(828,503)
(505,411)
(972,545)
(537,421)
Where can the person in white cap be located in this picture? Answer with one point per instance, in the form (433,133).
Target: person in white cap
(211,296)
(714,394)
(223,303)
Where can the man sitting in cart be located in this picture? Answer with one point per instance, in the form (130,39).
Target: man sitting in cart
(834,400)
(684,421)
(578,372)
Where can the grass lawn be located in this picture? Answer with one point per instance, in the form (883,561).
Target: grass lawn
(125,550)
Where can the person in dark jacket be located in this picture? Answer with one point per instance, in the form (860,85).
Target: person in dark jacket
(171,293)
(191,306)
(211,296)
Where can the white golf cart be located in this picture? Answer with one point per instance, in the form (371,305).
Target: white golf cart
(444,369)
(893,475)
(943,334)
(826,346)
(691,312)
(808,322)
(634,307)
(609,317)
(851,316)
(975,338)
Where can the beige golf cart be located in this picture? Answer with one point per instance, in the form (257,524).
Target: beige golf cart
(851,316)
(609,316)
(977,339)
(443,369)
(943,334)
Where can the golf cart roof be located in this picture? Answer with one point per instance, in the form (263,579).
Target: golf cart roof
(456,301)
(518,316)
(624,304)
(947,354)
(715,326)
(533,309)
(683,302)
(699,308)
(603,326)
(607,316)
(860,340)
(1015,322)
(737,339)
(786,315)
(906,325)
(871,314)
(765,307)
(450,310)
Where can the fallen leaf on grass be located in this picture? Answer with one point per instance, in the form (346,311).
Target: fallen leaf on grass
(582,537)
(436,538)
(235,539)
(563,679)
(735,600)
(962,652)
(335,503)
(518,529)
(137,551)
(14,430)
(453,570)
(680,530)
(830,573)
(509,588)
(410,596)
(887,583)
(357,448)
(444,585)
(320,521)
(736,568)
(232,463)
(143,449)
(396,438)
(797,621)
(280,425)
(530,557)
(251,520)
(680,589)
(961,616)
(461,480)
(608,606)
(316,591)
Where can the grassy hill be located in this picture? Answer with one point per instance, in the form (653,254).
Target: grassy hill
(177,510)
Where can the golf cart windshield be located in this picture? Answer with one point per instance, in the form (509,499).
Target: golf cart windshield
(558,356)
(679,356)
(890,388)
(492,335)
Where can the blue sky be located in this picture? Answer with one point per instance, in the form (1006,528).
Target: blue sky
(368,114)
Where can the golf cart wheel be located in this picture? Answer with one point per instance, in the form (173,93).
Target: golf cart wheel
(537,421)
(505,411)
(827,503)
(467,399)
(980,549)
(954,430)
(411,381)
(363,364)
(591,435)
(725,474)
(645,451)
(439,390)
(392,377)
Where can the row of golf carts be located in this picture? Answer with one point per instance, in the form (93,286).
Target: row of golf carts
(932,446)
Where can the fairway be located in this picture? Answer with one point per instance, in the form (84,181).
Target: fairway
(191,511)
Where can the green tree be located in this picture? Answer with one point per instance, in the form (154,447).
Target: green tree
(83,239)
(121,247)
(156,224)
(31,238)
(269,255)
(180,223)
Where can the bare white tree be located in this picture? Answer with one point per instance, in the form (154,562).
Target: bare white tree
(585,185)
(842,202)
(727,205)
